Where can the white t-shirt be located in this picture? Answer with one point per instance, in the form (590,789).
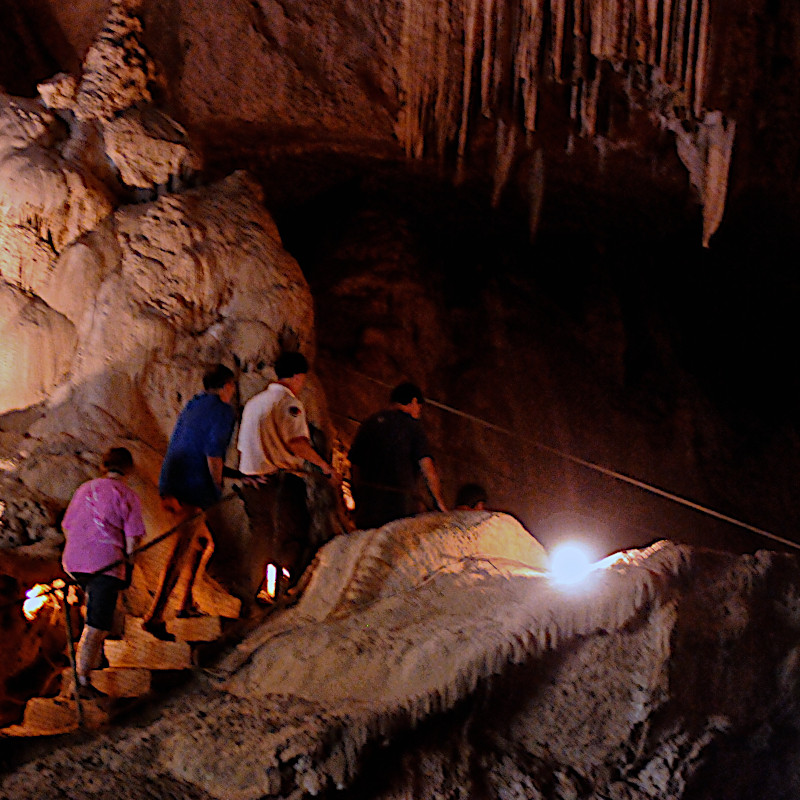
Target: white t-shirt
(270,420)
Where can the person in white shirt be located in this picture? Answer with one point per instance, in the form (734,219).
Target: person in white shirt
(275,452)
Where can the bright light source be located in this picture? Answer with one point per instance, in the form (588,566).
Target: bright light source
(569,564)
(347,494)
(42,595)
(271,583)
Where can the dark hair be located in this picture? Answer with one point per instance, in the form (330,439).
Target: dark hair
(217,377)
(290,363)
(117,459)
(404,393)
(470,494)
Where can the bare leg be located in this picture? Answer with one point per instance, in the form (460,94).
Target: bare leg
(201,551)
(172,569)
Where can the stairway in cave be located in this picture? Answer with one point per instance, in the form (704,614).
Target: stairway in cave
(139,666)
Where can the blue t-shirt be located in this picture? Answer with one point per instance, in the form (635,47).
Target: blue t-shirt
(204,428)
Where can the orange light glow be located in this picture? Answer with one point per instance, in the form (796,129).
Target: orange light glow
(42,595)
(272,574)
(349,503)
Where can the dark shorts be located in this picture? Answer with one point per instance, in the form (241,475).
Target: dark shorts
(277,510)
(101,598)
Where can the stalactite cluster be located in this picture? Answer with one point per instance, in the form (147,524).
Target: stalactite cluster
(503,52)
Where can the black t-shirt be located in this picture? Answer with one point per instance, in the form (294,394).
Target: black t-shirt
(388,448)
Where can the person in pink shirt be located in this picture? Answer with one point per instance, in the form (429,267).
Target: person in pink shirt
(103,525)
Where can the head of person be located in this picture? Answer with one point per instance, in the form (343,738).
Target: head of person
(471,496)
(117,461)
(220,380)
(409,398)
(291,368)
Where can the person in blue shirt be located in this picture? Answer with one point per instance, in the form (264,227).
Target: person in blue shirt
(192,468)
(191,480)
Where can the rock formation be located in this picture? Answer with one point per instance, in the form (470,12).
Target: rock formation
(434,657)
(122,278)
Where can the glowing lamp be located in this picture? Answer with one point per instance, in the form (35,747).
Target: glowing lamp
(271,581)
(569,564)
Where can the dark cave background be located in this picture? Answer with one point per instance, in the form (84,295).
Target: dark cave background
(615,338)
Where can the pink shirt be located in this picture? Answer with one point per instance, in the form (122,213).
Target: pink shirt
(100,516)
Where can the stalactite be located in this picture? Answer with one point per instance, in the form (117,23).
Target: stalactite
(579,58)
(526,63)
(676,69)
(536,192)
(589,105)
(666,36)
(652,33)
(409,127)
(627,21)
(506,148)
(690,67)
(470,27)
(500,46)
(443,92)
(715,188)
(596,15)
(558,15)
(488,51)
(702,50)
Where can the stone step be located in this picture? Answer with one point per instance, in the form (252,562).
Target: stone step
(195,629)
(150,654)
(115,682)
(123,681)
(140,649)
(51,715)
(132,661)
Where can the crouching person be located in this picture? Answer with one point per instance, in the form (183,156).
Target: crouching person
(103,525)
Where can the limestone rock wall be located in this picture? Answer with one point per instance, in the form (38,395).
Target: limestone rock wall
(123,276)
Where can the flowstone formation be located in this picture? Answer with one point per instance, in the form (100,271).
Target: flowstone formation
(122,277)
(434,657)
(657,50)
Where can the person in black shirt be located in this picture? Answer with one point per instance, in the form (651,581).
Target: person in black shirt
(387,456)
